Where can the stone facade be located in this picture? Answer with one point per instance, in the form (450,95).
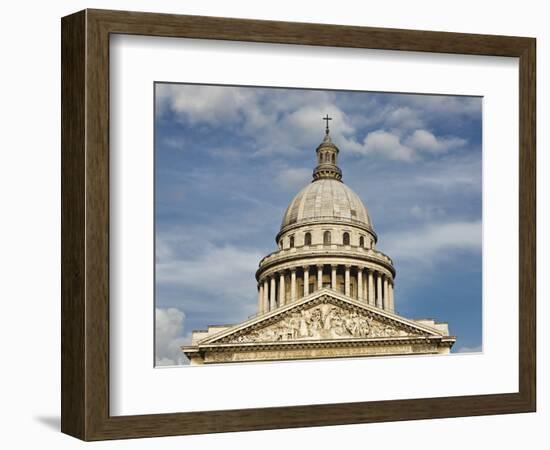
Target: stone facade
(326,291)
(325,324)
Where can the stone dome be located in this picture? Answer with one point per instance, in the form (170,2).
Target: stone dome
(326,200)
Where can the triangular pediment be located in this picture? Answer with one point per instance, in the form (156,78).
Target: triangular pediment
(324,315)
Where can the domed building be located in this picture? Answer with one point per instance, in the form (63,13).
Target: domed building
(326,291)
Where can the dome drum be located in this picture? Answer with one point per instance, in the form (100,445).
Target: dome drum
(312,233)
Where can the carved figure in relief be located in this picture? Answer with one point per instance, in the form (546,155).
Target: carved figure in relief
(303,330)
(352,324)
(364,327)
(315,323)
(294,325)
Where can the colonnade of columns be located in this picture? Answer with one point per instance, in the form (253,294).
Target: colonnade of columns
(367,285)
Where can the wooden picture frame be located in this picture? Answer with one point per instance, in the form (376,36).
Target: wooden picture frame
(85,224)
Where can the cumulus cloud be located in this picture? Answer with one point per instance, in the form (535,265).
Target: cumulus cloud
(169,337)
(302,129)
(387,144)
(209,104)
(281,122)
(277,121)
(391,144)
(210,271)
(213,269)
(434,242)
(423,140)
(403,117)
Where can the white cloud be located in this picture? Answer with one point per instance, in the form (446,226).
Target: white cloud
(433,243)
(277,121)
(286,121)
(204,266)
(302,128)
(209,104)
(387,144)
(423,140)
(307,118)
(391,145)
(403,117)
(292,179)
(169,337)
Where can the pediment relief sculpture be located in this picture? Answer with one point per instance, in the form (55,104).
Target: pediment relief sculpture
(321,322)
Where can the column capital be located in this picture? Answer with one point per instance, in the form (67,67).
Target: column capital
(347,266)
(306,267)
(292,269)
(319,266)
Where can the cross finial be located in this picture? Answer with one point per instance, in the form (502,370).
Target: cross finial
(327,118)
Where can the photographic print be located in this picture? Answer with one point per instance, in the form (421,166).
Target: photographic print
(296,224)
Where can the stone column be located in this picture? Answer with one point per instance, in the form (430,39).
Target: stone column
(260,298)
(346,281)
(386,300)
(272,299)
(360,284)
(266,294)
(333,277)
(378,289)
(293,284)
(390,297)
(371,287)
(281,289)
(306,280)
(319,277)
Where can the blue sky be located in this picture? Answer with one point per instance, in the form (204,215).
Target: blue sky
(228,161)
